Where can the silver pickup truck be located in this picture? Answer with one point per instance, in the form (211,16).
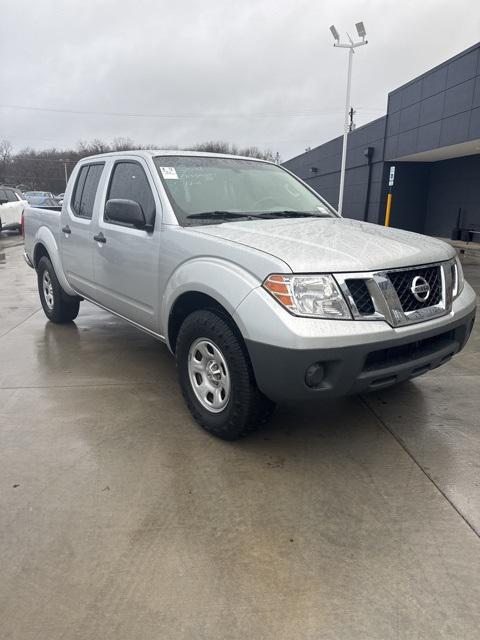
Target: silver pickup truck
(260,290)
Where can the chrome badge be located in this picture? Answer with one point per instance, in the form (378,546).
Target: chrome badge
(420,289)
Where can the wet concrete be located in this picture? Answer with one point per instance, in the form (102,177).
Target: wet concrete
(119,518)
(10,239)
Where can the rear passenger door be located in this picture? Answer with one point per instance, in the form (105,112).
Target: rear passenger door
(77,242)
(126,259)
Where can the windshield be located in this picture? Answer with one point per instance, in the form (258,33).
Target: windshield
(202,188)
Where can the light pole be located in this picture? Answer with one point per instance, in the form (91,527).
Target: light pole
(65,170)
(351,46)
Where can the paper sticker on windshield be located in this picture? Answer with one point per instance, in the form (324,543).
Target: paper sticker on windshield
(169,173)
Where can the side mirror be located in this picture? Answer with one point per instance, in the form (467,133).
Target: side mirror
(125,212)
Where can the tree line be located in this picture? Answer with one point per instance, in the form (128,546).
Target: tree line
(47,170)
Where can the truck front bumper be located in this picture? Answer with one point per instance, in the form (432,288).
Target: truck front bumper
(362,356)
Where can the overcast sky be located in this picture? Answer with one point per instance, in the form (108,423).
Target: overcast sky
(253,72)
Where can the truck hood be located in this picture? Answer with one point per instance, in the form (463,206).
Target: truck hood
(333,244)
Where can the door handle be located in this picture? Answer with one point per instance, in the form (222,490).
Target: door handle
(66,229)
(100,238)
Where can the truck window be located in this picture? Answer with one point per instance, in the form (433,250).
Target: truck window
(77,192)
(85,190)
(129,182)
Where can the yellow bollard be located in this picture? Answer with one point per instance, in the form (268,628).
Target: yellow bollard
(389,208)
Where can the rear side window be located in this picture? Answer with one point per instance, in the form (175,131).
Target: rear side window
(77,192)
(129,182)
(85,190)
(3,195)
(90,190)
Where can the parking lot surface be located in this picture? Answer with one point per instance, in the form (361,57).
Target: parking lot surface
(120,518)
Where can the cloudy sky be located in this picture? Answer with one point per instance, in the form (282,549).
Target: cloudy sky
(253,72)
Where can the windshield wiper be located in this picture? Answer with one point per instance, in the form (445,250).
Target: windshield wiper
(258,215)
(206,215)
(292,214)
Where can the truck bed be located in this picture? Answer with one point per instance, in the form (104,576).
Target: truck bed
(34,218)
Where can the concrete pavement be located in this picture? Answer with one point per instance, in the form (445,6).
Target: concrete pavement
(119,518)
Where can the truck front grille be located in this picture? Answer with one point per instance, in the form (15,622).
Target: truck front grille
(403,282)
(400,296)
(361,296)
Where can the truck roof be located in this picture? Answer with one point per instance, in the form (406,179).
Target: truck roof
(170,152)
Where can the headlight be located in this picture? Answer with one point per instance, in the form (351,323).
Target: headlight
(458,279)
(312,296)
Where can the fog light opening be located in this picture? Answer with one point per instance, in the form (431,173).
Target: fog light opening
(314,375)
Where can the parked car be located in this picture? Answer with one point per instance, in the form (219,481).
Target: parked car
(260,290)
(38,194)
(12,204)
(44,202)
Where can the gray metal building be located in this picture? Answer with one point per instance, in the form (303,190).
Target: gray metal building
(431,134)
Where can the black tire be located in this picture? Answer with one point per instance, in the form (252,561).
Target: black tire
(61,307)
(247,407)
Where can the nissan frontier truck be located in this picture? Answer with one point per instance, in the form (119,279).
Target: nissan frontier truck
(260,290)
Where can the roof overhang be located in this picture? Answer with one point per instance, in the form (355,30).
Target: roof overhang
(470,148)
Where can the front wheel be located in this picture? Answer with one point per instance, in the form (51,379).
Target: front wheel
(216,377)
(58,306)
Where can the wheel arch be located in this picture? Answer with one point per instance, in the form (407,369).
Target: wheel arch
(205,282)
(190,301)
(38,253)
(46,245)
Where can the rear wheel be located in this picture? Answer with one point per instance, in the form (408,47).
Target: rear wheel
(58,306)
(217,379)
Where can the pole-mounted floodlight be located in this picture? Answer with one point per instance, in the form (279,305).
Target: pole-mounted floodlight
(361,29)
(335,33)
(351,46)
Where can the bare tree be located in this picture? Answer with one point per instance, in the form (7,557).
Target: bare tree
(123,144)
(5,151)
(232,149)
(212,147)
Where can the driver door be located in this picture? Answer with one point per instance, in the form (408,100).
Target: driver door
(126,259)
